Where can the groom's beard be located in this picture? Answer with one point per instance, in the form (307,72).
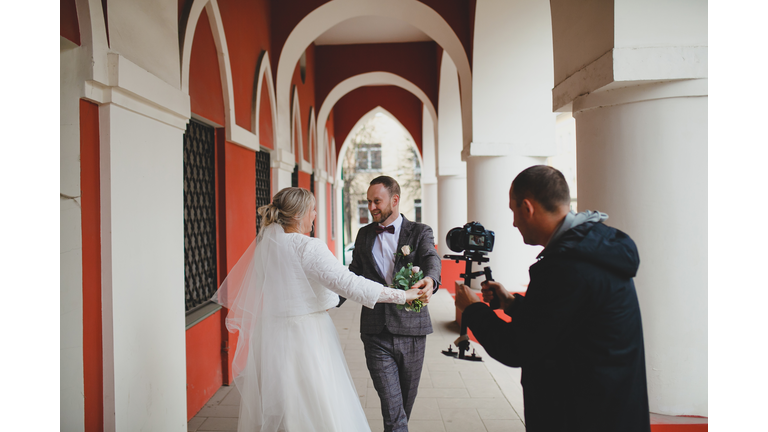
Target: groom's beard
(381,217)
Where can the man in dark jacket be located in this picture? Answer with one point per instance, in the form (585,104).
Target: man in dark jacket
(577,333)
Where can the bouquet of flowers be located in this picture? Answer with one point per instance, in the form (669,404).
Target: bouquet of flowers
(404,279)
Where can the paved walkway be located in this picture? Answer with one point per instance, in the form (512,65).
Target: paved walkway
(454,395)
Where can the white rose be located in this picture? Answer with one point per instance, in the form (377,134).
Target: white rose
(406,250)
(415,269)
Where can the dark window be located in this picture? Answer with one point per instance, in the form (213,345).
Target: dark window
(368,157)
(295,176)
(263,183)
(362,211)
(200,281)
(417,208)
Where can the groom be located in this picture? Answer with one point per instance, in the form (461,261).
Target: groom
(394,340)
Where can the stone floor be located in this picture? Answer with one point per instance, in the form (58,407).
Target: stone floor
(454,395)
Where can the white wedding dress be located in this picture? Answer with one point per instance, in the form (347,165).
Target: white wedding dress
(289,365)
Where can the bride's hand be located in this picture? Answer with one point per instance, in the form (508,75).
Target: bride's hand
(413,294)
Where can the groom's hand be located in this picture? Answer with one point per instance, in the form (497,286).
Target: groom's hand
(426,284)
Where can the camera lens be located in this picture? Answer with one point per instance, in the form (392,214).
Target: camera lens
(453,240)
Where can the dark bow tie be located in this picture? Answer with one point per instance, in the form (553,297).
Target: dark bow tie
(380,229)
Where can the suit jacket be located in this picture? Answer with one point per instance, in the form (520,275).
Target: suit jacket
(423,254)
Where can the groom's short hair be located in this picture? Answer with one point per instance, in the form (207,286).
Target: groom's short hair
(391,184)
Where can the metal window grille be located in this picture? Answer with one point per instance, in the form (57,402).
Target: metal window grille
(200,281)
(295,176)
(263,183)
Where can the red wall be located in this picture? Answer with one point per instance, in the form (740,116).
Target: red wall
(93,381)
(69,27)
(306,92)
(414,61)
(247,28)
(204,372)
(406,107)
(266,131)
(205,92)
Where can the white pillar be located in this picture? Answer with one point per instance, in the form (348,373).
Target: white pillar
(429,206)
(282,163)
(321,222)
(142,272)
(489,179)
(514,126)
(452,208)
(642,158)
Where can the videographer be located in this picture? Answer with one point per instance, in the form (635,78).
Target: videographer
(577,333)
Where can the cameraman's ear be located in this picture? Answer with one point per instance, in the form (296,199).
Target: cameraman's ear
(527,208)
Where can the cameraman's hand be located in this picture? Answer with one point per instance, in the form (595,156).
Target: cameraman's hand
(413,294)
(464,296)
(494,289)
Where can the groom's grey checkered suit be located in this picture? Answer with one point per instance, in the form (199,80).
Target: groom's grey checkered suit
(395,339)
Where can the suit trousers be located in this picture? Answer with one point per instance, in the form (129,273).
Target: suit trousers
(395,362)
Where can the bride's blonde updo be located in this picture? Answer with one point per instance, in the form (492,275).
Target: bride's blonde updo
(287,208)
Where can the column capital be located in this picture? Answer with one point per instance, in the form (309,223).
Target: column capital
(497,149)
(615,95)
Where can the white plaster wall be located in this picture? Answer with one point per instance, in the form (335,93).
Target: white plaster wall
(645,164)
(513,76)
(449,131)
(70,277)
(488,203)
(592,21)
(452,209)
(143,282)
(153,45)
(660,23)
(428,178)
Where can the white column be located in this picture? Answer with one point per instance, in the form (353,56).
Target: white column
(514,126)
(282,163)
(321,222)
(142,272)
(452,208)
(429,206)
(642,158)
(489,179)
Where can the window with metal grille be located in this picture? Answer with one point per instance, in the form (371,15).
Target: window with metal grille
(295,176)
(200,281)
(263,183)
(363,213)
(368,157)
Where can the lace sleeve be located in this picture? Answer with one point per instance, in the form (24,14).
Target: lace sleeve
(390,295)
(322,266)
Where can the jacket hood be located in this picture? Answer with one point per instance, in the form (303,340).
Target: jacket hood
(599,244)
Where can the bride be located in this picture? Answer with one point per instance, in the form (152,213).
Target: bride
(289,366)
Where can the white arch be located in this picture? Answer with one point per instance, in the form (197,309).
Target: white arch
(328,15)
(374,78)
(235,133)
(363,119)
(265,71)
(312,138)
(93,34)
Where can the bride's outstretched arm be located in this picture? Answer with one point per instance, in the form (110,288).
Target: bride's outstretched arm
(320,264)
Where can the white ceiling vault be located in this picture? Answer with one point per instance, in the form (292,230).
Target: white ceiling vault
(370,30)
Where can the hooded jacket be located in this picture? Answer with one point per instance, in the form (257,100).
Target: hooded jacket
(577,335)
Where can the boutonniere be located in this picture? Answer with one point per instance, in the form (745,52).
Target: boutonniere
(404,251)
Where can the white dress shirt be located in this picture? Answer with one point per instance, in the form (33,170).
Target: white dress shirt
(384,248)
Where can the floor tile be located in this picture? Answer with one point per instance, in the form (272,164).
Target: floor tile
(195,423)
(504,425)
(462,420)
(218,424)
(232,398)
(220,411)
(425,409)
(426,426)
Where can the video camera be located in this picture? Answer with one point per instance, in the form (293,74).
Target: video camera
(475,241)
(471,237)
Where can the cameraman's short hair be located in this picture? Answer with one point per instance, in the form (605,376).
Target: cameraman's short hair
(544,184)
(391,184)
